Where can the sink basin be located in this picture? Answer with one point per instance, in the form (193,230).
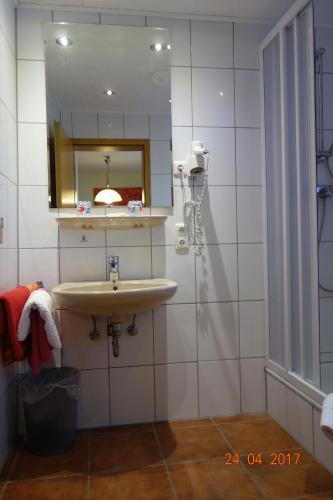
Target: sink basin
(103,298)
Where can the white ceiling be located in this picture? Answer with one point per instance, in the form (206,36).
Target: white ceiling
(251,9)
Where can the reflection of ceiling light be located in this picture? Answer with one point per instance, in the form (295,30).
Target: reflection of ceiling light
(221,93)
(169,100)
(107,195)
(109,92)
(159,47)
(64,41)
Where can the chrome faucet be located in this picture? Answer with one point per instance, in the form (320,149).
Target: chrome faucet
(114,268)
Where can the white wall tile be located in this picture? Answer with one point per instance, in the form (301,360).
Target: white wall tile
(166,233)
(249,214)
(137,350)
(252,329)
(217,274)
(160,126)
(253,385)
(247,39)
(93,406)
(277,400)
(81,238)
(326,322)
(212,44)
(176,391)
(323,447)
(136,126)
(75,17)
(219,214)
(111,125)
(161,190)
(132,395)
(299,420)
(30,36)
(209,107)
(3,270)
(7,21)
(37,225)
(248,161)
(78,350)
(175,337)
(11,223)
(247,90)
(251,272)
(32,154)
(167,263)
(39,264)
(123,19)
(221,145)
(181,146)
(160,157)
(124,237)
(179,37)
(8,144)
(181,97)
(219,388)
(31,99)
(8,84)
(84,124)
(134,262)
(82,264)
(12,267)
(4,209)
(218,331)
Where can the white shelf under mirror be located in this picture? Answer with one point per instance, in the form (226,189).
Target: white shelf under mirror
(110,221)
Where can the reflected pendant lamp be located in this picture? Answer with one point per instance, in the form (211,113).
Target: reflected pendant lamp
(107,195)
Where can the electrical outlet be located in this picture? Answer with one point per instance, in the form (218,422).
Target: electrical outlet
(182,242)
(180,168)
(180,229)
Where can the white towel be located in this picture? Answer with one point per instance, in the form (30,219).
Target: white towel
(326,421)
(41,300)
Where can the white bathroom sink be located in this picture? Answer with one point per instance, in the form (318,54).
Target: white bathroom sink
(105,298)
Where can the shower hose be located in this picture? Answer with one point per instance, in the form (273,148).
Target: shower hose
(322,223)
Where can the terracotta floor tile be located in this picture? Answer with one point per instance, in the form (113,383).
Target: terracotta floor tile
(307,477)
(143,484)
(181,424)
(124,429)
(257,435)
(75,461)
(212,481)
(124,452)
(56,489)
(191,444)
(241,418)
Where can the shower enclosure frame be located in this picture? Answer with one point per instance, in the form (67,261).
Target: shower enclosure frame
(310,389)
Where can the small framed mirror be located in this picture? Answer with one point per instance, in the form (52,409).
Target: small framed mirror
(109,115)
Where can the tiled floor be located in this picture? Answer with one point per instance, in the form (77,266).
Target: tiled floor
(232,458)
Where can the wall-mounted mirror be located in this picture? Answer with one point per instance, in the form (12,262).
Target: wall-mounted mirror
(109,114)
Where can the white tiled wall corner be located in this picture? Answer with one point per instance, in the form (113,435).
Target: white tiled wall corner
(176,391)
(253,385)
(93,405)
(132,395)
(218,331)
(219,388)
(277,400)
(175,338)
(299,420)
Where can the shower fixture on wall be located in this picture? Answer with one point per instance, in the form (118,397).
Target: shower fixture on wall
(323,155)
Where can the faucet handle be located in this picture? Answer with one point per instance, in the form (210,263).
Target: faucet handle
(114,262)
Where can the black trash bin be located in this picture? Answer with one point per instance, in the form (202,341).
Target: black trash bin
(50,410)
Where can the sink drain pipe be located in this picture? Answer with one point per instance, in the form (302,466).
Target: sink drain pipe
(114,331)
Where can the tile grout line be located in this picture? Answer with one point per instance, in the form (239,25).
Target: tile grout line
(254,482)
(166,468)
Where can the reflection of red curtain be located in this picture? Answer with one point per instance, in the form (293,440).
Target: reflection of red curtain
(127,194)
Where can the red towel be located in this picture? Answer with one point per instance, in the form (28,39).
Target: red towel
(11,306)
(39,351)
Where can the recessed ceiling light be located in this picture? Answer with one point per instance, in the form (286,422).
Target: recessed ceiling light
(169,100)
(64,41)
(168,46)
(156,47)
(109,92)
(221,93)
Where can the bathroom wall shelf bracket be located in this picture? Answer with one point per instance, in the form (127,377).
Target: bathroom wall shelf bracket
(110,221)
